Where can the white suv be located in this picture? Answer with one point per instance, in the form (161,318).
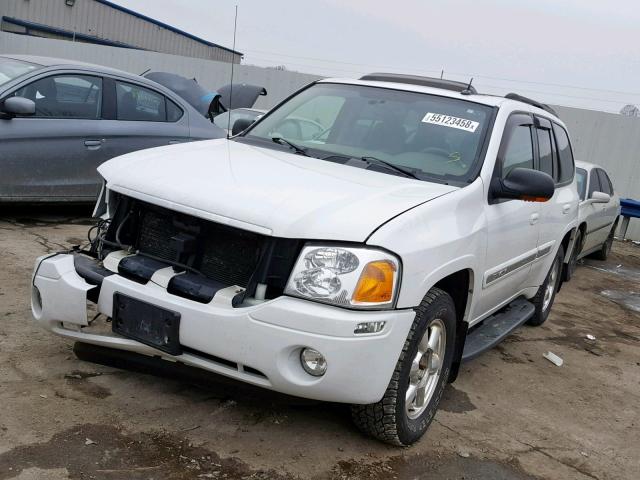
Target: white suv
(360,263)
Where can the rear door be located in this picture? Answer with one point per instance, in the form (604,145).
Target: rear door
(138,117)
(54,153)
(512,225)
(555,158)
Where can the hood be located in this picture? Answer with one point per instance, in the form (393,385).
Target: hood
(267,191)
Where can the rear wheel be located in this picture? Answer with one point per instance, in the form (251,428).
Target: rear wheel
(419,379)
(605,250)
(547,292)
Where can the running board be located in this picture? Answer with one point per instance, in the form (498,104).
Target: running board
(496,327)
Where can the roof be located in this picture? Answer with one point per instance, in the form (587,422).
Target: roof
(484,99)
(164,25)
(420,80)
(50,62)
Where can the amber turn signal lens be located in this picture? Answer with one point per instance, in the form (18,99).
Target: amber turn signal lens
(376,283)
(528,198)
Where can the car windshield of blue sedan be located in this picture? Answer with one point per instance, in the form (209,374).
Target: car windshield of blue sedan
(10,69)
(428,136)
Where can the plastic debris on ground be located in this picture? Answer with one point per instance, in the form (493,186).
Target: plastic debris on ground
(553,358)
(591,337)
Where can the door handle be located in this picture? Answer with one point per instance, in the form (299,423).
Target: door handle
(93,144)
(533,219)
(565,208)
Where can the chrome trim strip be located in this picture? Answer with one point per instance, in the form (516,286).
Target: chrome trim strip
(510,268)
(491,277)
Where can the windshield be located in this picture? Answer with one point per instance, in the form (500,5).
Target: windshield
(581,177)
(10,69)
(437,138)
(222,120)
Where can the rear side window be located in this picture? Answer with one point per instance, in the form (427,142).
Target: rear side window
(605,183)
(546,153)
(65,96)
(136,103)
(565,155)
(519,152)
(594,182)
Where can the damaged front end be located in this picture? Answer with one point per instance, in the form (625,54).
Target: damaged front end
(191,258)
(167,284)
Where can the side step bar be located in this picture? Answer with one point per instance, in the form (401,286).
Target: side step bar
(496,327)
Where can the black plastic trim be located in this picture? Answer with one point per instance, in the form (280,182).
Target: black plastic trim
(433,82)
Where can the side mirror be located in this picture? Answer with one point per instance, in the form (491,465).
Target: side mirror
(524,184)
(18,106)
(241,125)
(600,197)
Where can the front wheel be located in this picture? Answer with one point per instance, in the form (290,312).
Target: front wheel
(573,261)
(547,292)
(419,379)
(605,250)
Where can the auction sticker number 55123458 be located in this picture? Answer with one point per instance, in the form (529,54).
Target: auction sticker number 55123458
(450,121)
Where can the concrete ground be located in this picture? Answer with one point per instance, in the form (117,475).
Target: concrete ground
(511,414)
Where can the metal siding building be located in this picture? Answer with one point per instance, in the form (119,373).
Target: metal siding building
(610,140)
(103,22)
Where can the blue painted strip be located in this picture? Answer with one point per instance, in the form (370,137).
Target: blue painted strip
(66,33)
(164,25)
(630,207)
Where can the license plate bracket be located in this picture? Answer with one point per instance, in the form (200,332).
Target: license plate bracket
(147,323)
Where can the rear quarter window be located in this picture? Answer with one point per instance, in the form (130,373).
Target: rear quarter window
(174,112)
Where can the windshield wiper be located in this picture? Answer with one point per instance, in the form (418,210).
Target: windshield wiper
(284,141)
(404,171)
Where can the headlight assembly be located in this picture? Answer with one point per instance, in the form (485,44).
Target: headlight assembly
(353,277)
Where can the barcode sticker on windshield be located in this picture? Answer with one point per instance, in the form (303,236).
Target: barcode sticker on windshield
(449,121)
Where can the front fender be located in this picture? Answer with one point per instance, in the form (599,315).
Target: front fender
(436,239)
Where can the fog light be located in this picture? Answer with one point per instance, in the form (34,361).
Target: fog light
(369,327)
(313,362)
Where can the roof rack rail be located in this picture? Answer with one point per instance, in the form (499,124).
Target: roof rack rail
(520,98)
(423,81)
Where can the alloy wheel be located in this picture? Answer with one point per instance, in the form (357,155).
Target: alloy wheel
(426,368)
(551,286)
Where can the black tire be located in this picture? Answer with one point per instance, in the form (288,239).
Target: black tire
(543,308)
(388,419)
(605,250)
(573,261)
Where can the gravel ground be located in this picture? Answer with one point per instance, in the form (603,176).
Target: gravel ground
(510,415)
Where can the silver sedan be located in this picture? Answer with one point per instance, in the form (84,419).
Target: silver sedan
(60,119)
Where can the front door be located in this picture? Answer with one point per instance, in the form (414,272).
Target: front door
(512,225)
(54,153)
